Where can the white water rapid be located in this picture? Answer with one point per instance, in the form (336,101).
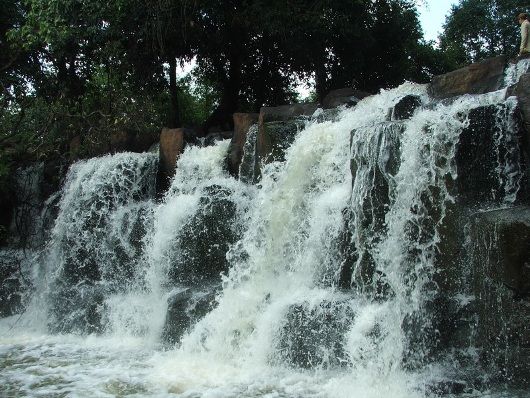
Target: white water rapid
(317,280)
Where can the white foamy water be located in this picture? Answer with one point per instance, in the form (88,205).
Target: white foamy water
(282,325)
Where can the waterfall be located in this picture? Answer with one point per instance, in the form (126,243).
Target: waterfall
(319,275)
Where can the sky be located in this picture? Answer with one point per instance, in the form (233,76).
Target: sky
(432,16)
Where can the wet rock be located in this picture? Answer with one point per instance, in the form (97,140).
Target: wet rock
(405,108)
(172,142)
(171,146)
(99,241)
(477,156)
(344,96)
(78,309)
(509,258)
(186,308)
(372,183)
(242,124)
(499,253)
(274,138)
(477,78)
(12,284)
(278,127)
(200,252)
(522,90)
(286,112)
(449,387)
(347,253)
(314,335)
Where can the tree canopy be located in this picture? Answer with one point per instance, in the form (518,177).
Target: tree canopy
(478,29)
(70,67)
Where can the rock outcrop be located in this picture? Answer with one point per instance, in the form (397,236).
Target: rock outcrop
(185,308)
(242,124)
(311,335)
(500,262)
(278,127)
(477,78)
(344,96)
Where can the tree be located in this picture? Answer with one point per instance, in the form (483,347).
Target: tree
(478,29)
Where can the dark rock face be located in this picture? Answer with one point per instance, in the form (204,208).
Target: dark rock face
(343,96)
(371,179)
(509,259)
(184,310)
(278,127)
(500,255)
(405,108)
(11,285)
(477,156)
(96,249)
(78,308)
(522,91)
(202,245)
(523,98)
(91,271)
(275,137)
(477,78)
(312,336)
(286,112)
(242,123)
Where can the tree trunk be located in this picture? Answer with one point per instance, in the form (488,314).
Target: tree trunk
(174,114)
(222,117)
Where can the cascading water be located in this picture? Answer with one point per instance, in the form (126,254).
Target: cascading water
(321,279)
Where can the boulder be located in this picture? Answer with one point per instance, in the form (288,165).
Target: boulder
(343,96)
(509,258)
(499,256)
(199,254)
(274,138)
(522,90)
(242,123)
(477,78)
(278,127)
(313,335)
(286,112)
(405,108)
(477,153)
(12,284)
(184,309)
(77,309)
(171,146)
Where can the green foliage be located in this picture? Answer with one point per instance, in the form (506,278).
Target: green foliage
(197,99)
(72,68)
(478,29)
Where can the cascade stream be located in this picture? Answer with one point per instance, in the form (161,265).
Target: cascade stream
(332,273)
